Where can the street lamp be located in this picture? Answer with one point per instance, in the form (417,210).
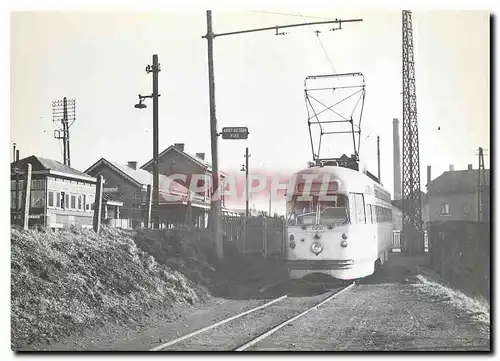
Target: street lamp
(155,69)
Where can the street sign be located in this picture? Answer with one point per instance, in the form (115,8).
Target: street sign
(234,133)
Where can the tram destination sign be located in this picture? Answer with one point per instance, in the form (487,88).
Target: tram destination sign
(234,133)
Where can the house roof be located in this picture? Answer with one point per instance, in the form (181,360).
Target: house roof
(141,177)
(197,160)
(461,181)
(110,199)
(50,165)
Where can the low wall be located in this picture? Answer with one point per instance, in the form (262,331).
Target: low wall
(460,253)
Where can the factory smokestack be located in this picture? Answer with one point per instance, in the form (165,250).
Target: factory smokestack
(397,159)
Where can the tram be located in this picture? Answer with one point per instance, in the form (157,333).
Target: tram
(339,223)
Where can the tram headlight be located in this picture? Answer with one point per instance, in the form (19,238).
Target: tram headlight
(291,237)
(343,243)
(292,244)
(317,248)
(344,236)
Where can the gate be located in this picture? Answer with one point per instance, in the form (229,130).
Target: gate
(396,241)
(263,235)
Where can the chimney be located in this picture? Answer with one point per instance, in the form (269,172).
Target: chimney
(133,165)
(179,146)
(469,167)
(429,178)
(451,168)
(201,155)
(397,159)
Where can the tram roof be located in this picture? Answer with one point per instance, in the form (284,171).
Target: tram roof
(350,180)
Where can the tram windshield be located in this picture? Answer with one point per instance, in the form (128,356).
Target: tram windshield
(313,211)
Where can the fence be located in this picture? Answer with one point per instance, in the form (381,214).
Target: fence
(263,235)
(396,241)
(118,223)
(460,253)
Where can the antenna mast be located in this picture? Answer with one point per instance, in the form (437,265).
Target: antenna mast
(64,112)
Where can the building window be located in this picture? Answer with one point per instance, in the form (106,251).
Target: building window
(51,199)
(84,202)
(58,200)
(445,209)
(73,202)
(37,199)
(79,202)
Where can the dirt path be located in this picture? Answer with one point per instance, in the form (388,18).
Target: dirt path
(382,317)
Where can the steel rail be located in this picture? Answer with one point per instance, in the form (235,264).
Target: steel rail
(197,332)
(283,324)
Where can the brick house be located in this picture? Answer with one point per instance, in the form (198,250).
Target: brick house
(175,160)
(454,195)
(128,184)
(61,196)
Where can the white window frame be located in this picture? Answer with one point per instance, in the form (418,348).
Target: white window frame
(446,207)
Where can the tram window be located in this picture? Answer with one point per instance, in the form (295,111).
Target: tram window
(369,218)
(333,210)
(360,208)
(303,212)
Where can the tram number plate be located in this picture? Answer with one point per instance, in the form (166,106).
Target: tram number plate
(318,227)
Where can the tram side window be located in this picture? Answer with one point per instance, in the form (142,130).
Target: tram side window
(369,217)
(360,208)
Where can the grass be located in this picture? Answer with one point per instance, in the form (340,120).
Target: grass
(478,307)
(68,281)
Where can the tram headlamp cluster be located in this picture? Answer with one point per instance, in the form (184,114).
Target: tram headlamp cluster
(316,248)
(343,243)
(344,236)
(292,244)
(291,237)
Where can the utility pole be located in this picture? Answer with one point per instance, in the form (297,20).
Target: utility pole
(246,181)
(378,158)
(63,111)
(215,205)
(16,193)
(481,186)
(156,176)
(26,197)
(269,202)
(98,204)
(155,69)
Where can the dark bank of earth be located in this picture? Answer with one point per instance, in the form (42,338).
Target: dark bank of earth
(69,283)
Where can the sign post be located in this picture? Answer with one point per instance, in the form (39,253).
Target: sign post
(235,133)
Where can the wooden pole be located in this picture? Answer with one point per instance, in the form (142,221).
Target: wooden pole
(26,197)
(98,204)
(147,220)
(265,237)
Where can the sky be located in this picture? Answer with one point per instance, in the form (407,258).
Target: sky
(100,58)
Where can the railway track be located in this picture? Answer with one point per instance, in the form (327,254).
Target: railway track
(249,327)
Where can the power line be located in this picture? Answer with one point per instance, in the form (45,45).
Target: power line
(326,54)
(286,14)
(317,32)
